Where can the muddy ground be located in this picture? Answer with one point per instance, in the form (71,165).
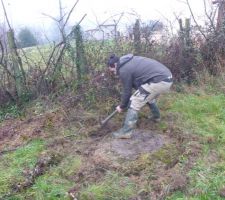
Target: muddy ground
(151,157)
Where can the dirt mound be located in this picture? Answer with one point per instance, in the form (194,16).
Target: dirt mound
(143,141)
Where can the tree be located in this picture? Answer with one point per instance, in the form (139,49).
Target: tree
(26,38)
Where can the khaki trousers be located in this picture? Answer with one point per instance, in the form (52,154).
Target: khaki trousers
(148,92)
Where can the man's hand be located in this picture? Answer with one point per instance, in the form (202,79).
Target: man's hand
(119,110)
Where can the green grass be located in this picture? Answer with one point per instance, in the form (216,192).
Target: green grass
(12,164)
(205,182)
(55,183)
(9,111)
(34,55)
(113,187)
(208,179)
(203,115)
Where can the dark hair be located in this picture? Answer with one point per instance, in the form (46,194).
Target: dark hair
(112,60)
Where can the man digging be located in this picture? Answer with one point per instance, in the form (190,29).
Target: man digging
(149,77)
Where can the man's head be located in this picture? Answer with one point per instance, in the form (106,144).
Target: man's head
(112,63)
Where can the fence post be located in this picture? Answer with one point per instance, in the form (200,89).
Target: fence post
(137,37)
(187,33)
(19,73)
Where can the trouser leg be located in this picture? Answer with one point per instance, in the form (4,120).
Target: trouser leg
(148,93)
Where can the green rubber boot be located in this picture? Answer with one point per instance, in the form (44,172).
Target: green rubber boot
(155,117)
(129,124)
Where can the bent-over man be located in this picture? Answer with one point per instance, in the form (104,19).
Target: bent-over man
(149,77)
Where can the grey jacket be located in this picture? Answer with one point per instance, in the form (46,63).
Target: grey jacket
(135,71)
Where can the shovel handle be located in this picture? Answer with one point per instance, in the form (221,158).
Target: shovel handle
(108,118)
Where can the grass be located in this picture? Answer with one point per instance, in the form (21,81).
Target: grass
(9,111)
(201,114)
(113,187)
(205,182)
(204,115)
(54,184)
(207,179)
(12,164)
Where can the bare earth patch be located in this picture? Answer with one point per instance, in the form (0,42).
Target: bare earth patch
(143,141)
(15,132)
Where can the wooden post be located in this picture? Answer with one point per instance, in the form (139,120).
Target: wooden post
(137,37)
(15,64)
(80,55)
(221,13)
(181,25)
(187,32)
(181,33)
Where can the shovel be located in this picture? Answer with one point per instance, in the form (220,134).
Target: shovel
(103,122)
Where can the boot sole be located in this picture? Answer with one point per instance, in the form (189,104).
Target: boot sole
(122,137)
(156,120)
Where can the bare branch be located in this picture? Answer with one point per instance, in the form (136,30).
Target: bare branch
(6,16)
(76,25)
(192,14)
(2,52)
(41,54)
(70,12)
(53,18)
(60,44)
(171,23)
(111,17)
(50,57)
(121,15)
(207,15)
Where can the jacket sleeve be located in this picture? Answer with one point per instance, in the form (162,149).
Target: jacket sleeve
(127,89)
